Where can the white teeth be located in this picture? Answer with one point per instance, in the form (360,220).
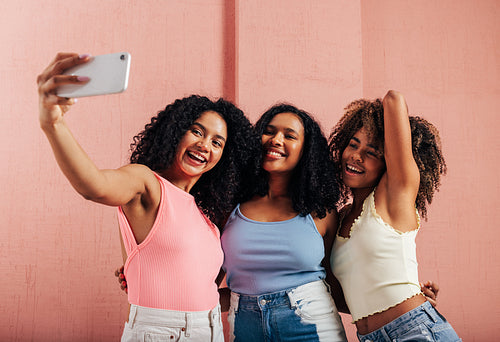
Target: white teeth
(352,168)
(275,154)
(198,157)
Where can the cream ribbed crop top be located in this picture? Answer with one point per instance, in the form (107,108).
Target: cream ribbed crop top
(376,265)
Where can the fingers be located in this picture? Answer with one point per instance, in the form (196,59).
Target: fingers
(123,286)
(430,291)
(119,273)
(432,301)
(121,279)
(52,76)
(432,286)
(50,86)
(61,62)
(51,100)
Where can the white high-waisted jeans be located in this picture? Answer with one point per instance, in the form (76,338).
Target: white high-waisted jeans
(149,325)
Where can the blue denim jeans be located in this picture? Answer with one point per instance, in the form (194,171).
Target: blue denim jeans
(304,313)
(424,323)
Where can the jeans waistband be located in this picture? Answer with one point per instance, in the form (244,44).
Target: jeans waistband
(172,318)
(412,317)
(284,297)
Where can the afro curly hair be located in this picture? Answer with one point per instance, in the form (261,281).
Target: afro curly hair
(313,189)
(426,147)
(220,189)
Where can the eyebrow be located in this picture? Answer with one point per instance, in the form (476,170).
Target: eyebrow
(286,129)
(369,145)
(204,129)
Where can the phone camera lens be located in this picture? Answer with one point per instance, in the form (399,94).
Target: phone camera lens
(122,57)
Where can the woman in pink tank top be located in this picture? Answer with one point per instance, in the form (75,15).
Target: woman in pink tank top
(186,169)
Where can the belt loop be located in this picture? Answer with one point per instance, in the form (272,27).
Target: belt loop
(189,323)
(291,298)
(427,307)
(132,315)
(211,317)
(384,334)
(328,287)
(214,315)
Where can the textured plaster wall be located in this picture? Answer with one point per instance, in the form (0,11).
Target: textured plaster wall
(58,252)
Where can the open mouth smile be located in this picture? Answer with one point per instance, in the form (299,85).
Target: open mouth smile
(273,154)
(353,170)
(196,157)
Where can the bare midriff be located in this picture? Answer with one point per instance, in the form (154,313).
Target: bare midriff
(373,322)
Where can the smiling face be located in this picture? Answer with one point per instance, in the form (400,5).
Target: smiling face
(282,143)
(362,162)
(201,147)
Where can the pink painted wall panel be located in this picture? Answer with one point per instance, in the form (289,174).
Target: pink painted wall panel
(304,52)
(444,56)
(58,252)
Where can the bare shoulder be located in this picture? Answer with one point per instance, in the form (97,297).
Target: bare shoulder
(328,224)
(149,189)
(397,208)
(344,210)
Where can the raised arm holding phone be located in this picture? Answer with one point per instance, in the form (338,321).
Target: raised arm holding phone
(185,170)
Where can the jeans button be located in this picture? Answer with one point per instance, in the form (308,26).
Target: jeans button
(263,302)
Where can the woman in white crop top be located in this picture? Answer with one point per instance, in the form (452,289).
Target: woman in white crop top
(390,163)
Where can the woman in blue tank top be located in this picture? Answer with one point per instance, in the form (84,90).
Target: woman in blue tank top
(274,242)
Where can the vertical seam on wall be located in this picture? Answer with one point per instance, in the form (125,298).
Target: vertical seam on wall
(230,51)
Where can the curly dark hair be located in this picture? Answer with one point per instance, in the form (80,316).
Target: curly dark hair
(313,189)
(220,189)
(426,147)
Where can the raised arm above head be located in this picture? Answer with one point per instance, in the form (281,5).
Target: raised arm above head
(402,171)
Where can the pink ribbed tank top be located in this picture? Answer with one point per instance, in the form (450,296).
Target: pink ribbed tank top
(175,267)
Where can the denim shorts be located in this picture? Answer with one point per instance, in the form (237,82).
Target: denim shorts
(154,325)
(304,313)
(424,323)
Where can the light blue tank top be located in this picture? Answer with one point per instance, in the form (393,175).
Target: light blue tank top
(266,257)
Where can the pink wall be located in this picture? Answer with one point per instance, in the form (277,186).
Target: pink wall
(444,55)
(59,252)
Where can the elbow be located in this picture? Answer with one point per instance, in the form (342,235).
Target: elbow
(89,197)
(94,196)
(393,96)
(394,100)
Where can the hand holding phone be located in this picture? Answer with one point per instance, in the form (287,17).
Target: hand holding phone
(108,75)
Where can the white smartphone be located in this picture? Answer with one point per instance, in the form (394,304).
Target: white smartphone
(108,75)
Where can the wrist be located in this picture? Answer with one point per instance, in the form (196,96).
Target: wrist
(49,126)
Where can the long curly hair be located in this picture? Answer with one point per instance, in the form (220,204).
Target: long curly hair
(313,189)
(426,147)
(218,190)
